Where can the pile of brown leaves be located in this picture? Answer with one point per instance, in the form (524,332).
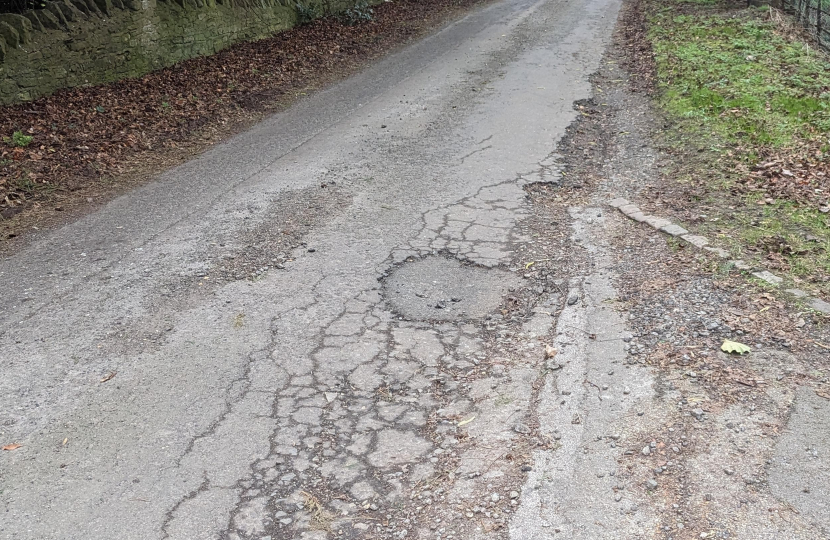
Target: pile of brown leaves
(801,175)
(82,135)
(639,54)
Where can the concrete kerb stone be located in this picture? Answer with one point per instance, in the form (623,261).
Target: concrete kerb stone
(629,209)
(769,277)
(722,253)
(819,305)
(657,222)
(815,303)
(674,230)
(701,242)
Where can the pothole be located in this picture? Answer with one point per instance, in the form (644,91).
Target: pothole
(442,289)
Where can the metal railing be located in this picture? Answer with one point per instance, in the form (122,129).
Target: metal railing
(814,15)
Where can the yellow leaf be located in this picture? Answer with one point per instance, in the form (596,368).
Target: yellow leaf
(734,347)
(467,421)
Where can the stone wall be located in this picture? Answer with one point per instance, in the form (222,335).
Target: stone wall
(80,42)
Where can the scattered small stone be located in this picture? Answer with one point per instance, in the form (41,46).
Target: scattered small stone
(573,299)
(514,494)
(651,484)
(521,428)
(698,414)
(646,451)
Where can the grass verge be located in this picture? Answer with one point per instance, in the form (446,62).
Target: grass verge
(747,99)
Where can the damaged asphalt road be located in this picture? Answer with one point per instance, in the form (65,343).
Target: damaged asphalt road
(366,317)
(282,376)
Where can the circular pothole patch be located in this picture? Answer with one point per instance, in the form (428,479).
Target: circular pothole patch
(437,288)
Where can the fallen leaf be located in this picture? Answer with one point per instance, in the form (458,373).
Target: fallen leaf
(13,446)
(109,376)
(734,347)
(467,421)
(550,352)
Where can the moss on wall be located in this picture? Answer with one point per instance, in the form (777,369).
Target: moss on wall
(80,42)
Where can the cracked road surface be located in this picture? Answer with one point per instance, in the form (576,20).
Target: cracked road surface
(327,326)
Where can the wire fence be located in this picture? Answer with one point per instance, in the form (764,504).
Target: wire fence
(814,15)
(18,6)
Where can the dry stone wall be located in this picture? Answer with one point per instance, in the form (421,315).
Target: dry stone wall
(83,42)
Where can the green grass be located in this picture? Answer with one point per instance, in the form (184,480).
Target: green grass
(736,90)
(18,139)
(738,79)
